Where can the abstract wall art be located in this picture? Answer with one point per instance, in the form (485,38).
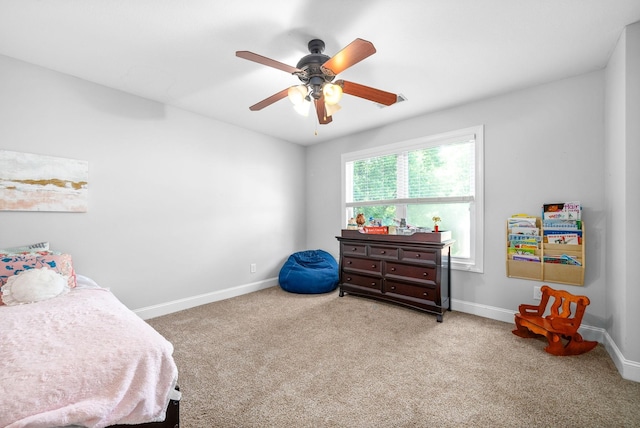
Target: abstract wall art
(31,182)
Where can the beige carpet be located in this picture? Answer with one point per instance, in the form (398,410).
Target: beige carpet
(275,359)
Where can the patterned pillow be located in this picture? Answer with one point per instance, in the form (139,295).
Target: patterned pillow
(13,264)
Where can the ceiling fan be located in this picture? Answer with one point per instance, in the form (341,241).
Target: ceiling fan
(317,71)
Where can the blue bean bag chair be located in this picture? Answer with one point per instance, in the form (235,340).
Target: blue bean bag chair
(309,272)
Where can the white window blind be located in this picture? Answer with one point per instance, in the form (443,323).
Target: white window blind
(439,175)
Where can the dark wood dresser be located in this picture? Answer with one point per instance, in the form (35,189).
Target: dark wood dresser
(410,270)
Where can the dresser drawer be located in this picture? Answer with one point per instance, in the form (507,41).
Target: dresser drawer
(426,273)
(368,265)
(349,248)
(400,288)
(418,255)
(383,252)
(349,278)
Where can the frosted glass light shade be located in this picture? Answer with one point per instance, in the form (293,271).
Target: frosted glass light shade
(331,108)
(332,93)
(302,108)
(297,94)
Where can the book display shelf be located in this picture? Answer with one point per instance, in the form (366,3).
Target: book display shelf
(548,249)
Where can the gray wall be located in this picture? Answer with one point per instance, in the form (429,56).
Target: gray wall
(542,144)
(179,205)
(622,181)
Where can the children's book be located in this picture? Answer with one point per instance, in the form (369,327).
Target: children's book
(519,230)
(521,239)
(573,210)
(376,230)
(562,259)
(521,250)
(521,222)
(562,211)
(562,232)
(551,224)
(526,258)
(563,238)
(524,245)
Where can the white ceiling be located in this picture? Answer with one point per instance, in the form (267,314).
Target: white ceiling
(437,53)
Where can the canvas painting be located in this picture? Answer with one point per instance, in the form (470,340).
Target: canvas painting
(31,182)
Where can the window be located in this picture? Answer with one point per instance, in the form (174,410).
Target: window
(440,175)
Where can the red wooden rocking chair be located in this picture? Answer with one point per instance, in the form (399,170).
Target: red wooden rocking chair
(560,326)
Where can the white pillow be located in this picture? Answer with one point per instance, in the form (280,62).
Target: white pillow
(34,285)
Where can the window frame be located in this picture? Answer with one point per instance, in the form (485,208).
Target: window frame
(475,262)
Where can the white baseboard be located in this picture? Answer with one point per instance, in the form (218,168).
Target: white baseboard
(484,311)
(202,299)
(628,369)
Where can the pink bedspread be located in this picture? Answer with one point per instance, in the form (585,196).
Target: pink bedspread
(81,359)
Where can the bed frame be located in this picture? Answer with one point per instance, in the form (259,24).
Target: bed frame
(171,421)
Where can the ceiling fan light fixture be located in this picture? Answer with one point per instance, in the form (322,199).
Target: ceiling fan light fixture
(331,108)
(332,93)
(317,71)
(297,94)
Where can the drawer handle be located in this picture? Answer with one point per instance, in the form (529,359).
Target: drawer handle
(348,278)
(383,252)
(354,249)
(393,287)
(418,255)
(373,284)
(349,262)
(424,294)
(426,274)
(393,269)
(373,266)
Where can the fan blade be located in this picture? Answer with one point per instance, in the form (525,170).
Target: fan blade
(268,101)
(371,94)
(355,52)
(267,61)
(322,112)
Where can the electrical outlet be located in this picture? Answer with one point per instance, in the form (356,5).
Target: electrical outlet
(253,268)
(537,293)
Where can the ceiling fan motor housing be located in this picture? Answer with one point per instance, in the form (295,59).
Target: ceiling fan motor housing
(314,74)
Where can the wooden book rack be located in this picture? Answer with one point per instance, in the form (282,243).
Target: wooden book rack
(560,326)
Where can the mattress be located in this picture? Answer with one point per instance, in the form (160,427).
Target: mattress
(82,359)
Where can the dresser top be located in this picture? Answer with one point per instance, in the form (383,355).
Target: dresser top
(442,238)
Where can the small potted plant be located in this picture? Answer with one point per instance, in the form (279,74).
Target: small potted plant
(436,220)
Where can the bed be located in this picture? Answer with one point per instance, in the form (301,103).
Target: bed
(80,357)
